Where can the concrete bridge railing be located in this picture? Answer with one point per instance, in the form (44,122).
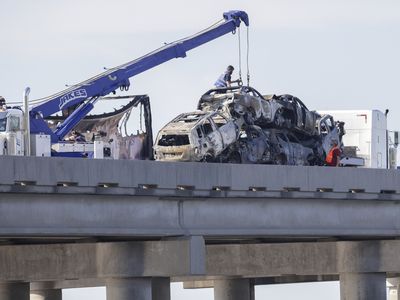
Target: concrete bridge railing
(193,176)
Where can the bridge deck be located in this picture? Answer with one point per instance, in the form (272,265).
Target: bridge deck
(64,197)
(193,176)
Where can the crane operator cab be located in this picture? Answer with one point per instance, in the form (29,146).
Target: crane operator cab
(11,132)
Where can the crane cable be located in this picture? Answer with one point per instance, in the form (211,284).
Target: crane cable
(247,56)
(141,118)
(240,57)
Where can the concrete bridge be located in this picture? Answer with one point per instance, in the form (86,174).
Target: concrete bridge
(135,226)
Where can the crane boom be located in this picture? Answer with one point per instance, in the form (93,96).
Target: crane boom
(87,92)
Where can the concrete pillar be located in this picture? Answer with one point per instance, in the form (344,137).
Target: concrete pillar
(54,294)
(233,289)
(138,289)
(14,291)
(394,292)
(394,288)
(363,286)
(398,292)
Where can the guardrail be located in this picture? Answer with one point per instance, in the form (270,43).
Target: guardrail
(148,175)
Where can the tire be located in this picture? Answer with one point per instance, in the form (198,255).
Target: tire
(311,160)
(235,158)
(208,158)
(281,159)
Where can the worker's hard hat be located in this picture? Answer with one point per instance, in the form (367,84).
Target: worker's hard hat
(231,68)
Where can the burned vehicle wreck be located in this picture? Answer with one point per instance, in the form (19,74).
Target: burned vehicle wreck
(196,136)
(239,125)
(272,146)
(112,127)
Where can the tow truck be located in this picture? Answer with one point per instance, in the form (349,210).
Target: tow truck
(19,130)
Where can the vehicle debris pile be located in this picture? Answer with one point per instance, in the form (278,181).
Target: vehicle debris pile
(239,125)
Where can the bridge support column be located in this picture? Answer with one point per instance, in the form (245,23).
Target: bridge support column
(398,292)
(54,294)
(138,289)
(14,291)
(363,286)
(233,289)
(394,293)
(394,288)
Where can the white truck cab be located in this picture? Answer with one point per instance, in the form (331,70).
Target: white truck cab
(12,140)
(367,133)
(11,132)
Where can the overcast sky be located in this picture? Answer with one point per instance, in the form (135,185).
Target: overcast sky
(341,54)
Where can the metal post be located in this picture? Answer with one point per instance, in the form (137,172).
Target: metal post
(387,141)
(27,123)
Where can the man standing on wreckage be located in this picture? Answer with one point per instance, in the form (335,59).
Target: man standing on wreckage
(225,80)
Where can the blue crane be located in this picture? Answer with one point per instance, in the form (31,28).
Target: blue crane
(86,93)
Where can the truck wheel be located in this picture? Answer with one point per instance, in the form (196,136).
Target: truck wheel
(235,158)
(277,120)
(311,160)
(281,159)
(208,158)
